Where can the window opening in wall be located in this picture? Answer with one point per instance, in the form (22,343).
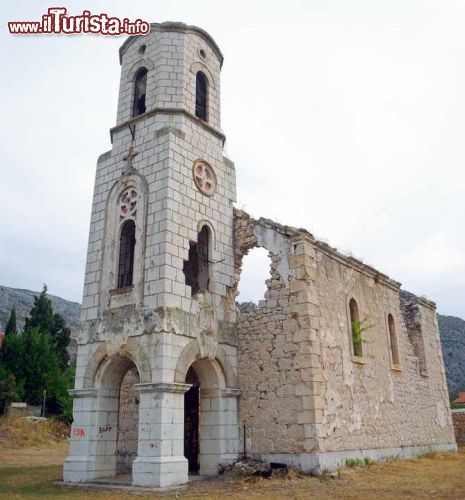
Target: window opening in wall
(126,254)
(197,268)
(140,87)
(255,273)
(201,96)
(393,341)
(355,328)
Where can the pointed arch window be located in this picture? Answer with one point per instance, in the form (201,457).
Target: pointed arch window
(126,254)
(140,88)
(201,96)
(355,328)
(393,344)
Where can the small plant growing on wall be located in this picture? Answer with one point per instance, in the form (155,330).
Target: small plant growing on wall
(359,327)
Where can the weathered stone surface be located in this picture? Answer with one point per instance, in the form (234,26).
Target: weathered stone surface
(341,402)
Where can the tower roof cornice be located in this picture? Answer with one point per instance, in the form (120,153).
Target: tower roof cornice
(176,27)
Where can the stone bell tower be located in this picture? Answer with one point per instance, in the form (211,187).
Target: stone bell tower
(156,381)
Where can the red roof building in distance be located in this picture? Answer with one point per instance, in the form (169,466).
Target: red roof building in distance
(461,398)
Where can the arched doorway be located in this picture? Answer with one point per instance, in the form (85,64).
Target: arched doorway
(118,416)
(211,433)
(191,422)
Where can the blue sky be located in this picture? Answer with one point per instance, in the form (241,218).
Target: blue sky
(346,118)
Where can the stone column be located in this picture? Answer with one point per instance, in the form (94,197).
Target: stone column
(305,309)
(231,428)
(80,465)
(218,429)
(160,458)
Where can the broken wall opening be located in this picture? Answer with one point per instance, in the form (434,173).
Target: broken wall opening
(255,273)
(196,268)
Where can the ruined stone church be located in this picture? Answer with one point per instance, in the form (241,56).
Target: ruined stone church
(172,378)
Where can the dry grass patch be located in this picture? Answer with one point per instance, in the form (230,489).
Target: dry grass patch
(436,475)
(17,432)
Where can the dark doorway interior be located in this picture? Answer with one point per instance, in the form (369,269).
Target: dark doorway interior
(191,422)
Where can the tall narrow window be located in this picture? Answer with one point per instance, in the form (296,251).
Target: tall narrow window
(355,328)
(126,254)
(393,341)
(201,86)
(196,268)
(140,87)
(202,246)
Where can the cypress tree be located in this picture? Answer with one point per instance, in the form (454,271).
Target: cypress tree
(11,325)
(41,315)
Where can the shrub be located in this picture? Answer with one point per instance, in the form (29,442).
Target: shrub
(354,462)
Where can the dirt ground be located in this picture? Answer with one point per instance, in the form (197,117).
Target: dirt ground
(32,472)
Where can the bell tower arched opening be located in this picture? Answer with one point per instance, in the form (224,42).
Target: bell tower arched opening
(210,418)
(117,415)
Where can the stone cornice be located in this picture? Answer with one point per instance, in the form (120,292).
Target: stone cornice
(168,111)
(86,392)
(163,387)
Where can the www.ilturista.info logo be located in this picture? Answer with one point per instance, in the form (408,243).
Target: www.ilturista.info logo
(56,21)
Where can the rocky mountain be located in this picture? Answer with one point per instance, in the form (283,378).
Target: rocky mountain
(452,331)
(23,300)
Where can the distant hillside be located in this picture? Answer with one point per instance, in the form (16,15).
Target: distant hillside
(452,332)
(23,300)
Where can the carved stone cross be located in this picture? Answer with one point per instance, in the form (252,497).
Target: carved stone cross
(131,154)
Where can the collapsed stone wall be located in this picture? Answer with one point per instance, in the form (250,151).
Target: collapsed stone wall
(302,389)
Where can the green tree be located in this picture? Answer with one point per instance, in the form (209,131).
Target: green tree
(37,360)
(61,336)
(8,391)
(41,366)
(43,317)
(64,400)
(41,314)
(12,360)
(11,325)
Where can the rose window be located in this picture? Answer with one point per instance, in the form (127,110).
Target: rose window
(128,202)
(204,178)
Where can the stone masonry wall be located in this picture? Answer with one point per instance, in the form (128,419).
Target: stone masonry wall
(369,403)
(458,417)
(279,365)
(302,388)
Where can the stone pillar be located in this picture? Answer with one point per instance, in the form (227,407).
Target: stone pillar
(231,428)
(304,302)
(218,429)
(80,465)
(160,458)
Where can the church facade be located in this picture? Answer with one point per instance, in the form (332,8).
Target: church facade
(172,378)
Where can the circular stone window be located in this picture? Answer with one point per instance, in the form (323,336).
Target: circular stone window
(128,202)
(202,54)
(204,178)
(142,49)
